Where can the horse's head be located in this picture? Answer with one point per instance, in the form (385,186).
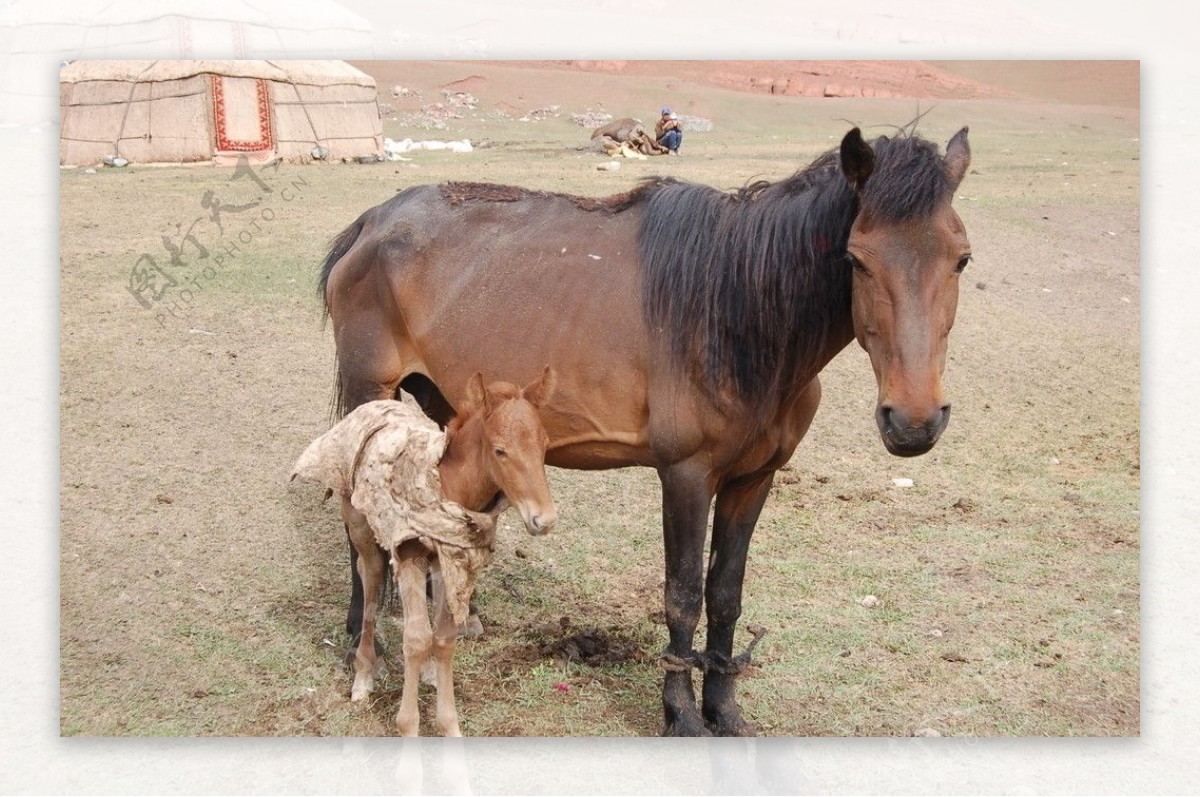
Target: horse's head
(907,247)
(513,445)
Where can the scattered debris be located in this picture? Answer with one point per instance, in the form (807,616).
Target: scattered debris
(956,658)
(393,149)
(928,732)
(115,161)
(540,114)
(591,118)
(609,166)
(869,601)
(401,91)
(964,505)
(902,482)
(163,498)
(319,153)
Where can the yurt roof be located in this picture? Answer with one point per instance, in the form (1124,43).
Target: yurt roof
(313,73)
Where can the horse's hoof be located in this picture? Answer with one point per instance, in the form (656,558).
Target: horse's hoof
(681,729)
(685,723)
(471,629)
(733,726)
(352,651)
(727,720)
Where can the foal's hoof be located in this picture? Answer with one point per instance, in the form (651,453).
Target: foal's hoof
(362,688)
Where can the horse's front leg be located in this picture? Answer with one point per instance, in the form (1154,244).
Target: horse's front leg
(686,500)
(737,510)
(739,503)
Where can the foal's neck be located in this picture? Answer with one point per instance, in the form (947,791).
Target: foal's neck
(465,480)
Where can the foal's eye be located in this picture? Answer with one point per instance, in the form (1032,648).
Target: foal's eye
(962,263)
(500,453)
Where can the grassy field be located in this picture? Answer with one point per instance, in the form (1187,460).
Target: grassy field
(201,594)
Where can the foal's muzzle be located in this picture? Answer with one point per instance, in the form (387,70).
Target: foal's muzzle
(905,436)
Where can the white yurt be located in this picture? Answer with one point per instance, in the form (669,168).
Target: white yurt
(216,111)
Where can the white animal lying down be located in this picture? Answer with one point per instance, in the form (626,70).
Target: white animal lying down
(431,499)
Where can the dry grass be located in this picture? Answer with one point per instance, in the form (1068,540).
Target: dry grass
(202,595)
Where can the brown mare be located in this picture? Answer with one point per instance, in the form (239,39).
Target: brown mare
(495,449)
(687,327)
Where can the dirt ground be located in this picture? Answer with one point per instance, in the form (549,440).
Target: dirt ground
(202,595)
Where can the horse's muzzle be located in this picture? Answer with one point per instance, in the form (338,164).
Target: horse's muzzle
(906,437)
(539,521)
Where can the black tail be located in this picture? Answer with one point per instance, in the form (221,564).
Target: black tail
(338,248)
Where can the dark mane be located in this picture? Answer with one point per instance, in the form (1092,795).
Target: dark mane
(749,283)
(909,180)
(457,192)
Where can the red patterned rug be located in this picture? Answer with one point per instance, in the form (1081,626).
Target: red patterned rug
(242,112)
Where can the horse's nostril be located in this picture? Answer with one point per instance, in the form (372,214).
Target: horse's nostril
(890,419)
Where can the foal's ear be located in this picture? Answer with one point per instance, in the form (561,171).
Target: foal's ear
(958,158)
(858,159)
(539,392)
(477,395)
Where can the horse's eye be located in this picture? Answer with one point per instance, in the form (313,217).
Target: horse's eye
(856,263)
(501,453)
(962,263)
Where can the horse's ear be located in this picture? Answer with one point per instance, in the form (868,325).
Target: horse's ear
(539,392)
(958,158)
(858,159)
(477,395)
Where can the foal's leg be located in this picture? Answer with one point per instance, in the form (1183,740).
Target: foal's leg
(445,633)
(418,637)
(737,510)
(686,498)
(371,567)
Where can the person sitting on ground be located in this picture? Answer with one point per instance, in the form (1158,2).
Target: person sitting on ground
(669,131)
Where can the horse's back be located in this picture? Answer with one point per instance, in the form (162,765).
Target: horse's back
(467,277)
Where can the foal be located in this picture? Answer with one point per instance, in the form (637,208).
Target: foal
(431,500)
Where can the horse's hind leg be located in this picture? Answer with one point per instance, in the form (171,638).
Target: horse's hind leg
(369,369)
(445,633)
(372,569)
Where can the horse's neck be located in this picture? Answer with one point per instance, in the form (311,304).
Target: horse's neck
(464,479)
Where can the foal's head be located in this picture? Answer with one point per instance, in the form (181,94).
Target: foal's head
(907,247)
(500,443)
